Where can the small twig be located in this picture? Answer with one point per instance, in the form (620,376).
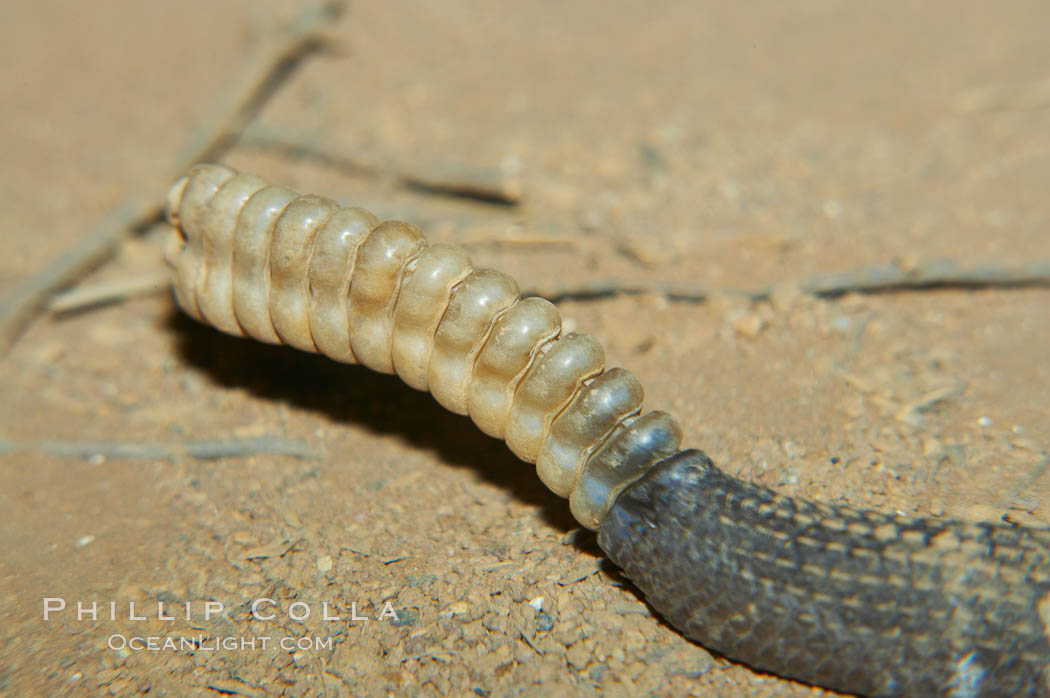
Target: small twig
(27,301)
(275,548)
(597,290)
(486,185)
(113,291)
(912,413)
(871,280)
(524,242)
(529,642)
(234,688)
(264,73)
(926,275)
(212,449)
(262,76)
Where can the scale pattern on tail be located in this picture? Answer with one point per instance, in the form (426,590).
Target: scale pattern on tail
(855,600)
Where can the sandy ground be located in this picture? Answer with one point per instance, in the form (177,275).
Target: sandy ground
(738,146)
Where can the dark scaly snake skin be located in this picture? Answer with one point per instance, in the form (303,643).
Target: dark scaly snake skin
(854,600)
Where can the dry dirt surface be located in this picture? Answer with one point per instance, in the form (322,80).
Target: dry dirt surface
(735,146)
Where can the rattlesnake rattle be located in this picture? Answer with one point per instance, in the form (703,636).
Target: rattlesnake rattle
(848,599)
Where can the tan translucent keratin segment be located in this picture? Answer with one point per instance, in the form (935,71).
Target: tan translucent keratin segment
(425,291)
(381,260)
(473,305)
(290,251)
(628,453)
(171,205)
(251,260)
(547,387)
(218,223)
(512,344)
(176,242)
(331,267)
(599,406)
(202,183)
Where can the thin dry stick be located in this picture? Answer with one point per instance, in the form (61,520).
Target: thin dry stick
(90,296)
(265,72)
(211,449)
(28,301)
(274,62)
(447,179)
(928,275)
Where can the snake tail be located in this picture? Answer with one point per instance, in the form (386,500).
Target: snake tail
(854,600)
